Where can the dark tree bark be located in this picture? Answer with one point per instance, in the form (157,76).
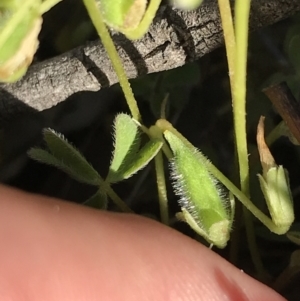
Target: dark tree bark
(176,37)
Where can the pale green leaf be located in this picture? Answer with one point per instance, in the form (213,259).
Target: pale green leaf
(127,142)
(142,158)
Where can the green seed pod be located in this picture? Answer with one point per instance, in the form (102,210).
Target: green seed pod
(205,205)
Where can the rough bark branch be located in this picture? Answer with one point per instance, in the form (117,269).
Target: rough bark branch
(175,38)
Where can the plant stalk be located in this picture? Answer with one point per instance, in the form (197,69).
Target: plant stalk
(114,197)
(161,186)
(97,19)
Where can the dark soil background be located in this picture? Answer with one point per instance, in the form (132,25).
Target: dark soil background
(199,106)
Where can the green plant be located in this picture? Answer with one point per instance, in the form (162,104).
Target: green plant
(206,210)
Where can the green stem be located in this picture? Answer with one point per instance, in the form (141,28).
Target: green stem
(242,9)
(114,197)
(229,36)
(276,133)
(47,5)
(97,19)
(161,186)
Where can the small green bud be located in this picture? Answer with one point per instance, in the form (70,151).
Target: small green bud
(274,184)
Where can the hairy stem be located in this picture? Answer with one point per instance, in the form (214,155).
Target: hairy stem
(97,19)
(161,186)
(114,197)
(229,36)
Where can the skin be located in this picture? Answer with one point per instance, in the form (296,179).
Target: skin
(54,250)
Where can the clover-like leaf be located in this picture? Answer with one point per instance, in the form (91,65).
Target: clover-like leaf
(205,205)
(128,158)
(64,156)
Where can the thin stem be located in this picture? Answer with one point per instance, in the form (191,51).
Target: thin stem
(229,36)
(242,9)
(161,186)
(114,197)
(47,5)
(277,132)
(97,19)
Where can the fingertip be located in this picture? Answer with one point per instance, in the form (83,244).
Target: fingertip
(86,254)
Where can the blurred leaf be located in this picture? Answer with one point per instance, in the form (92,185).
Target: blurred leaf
(294,236)
(20,24)
(97,201)
(65,157)
(187,75)
(292,45)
